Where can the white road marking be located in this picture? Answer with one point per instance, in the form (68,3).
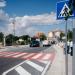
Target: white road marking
(31,64)
(34,65)
(19,55)
(29,55)
(47,56)
(11,54)
(44,71)
(22,71)
(37,56)
(4,53)
(43,61)
(6,72)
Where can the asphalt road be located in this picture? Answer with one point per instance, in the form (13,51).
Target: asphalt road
(29,49)
(8,63)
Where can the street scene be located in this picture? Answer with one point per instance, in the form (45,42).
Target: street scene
(37,37)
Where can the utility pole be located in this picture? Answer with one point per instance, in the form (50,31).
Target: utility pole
(13,42)
(14,27)
(4,40)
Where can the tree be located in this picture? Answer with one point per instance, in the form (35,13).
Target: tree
(69,35)
(15,38)
(71,6)
(1,36)
(26,38)
(61,35)
(43,37)
(9,39)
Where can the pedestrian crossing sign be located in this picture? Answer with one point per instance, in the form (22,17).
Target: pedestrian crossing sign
(63,10)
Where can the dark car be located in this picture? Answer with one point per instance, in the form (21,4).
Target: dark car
(35,44)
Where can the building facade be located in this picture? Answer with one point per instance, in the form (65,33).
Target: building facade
(54,35)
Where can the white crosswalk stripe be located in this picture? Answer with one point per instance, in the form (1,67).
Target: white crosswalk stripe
(47,56)
(37,56)
(11,54)
(42,61)
(29,55)
(25,55)
(22,71)
(36,66)
(22,68)
(19,55)
(4,53)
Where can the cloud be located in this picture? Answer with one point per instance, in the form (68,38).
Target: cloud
(4,21)
(25,24)
(3,16)
(43,19)
(2,3)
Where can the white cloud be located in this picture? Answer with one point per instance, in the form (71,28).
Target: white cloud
(2,3)
(3,16)
(25,24)
(4,21)
(43,19)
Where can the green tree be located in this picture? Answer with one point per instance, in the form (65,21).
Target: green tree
(43,37)
(61,35)
(71,6)
(26,38)
(15,38)
(1,36)
(9,39)
(69,35)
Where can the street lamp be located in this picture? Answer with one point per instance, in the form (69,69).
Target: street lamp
(4,41)
(13,22)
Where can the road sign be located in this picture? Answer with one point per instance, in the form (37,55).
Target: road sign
(63,10)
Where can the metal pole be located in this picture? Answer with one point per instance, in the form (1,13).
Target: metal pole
(73,58)
(14,28)
(13,31)
(66,56)
(4,41)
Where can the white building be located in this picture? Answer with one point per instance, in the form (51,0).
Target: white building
(54,35)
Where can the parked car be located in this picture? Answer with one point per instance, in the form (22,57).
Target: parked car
(53,42)
(35,44)
(46,43)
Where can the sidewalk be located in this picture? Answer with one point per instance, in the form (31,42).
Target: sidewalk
(58,65)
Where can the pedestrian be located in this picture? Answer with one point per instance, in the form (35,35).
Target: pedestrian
(64,46)
(71,47)
(68,46)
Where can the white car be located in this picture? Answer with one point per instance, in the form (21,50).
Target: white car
(46,43)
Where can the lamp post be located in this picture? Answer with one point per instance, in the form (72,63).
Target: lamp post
(4,41)
(13,42)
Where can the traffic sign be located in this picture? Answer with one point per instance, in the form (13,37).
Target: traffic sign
(63,10)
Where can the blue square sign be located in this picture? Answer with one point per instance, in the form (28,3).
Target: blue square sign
(63,9)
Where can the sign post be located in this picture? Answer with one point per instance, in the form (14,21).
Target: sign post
(66,56)
(63,13)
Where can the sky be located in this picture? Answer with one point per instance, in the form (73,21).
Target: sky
(29,16)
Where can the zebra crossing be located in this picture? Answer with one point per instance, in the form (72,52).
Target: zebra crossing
(29,67)
(25,55)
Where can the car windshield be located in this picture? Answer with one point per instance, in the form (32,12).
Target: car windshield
(34,42)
